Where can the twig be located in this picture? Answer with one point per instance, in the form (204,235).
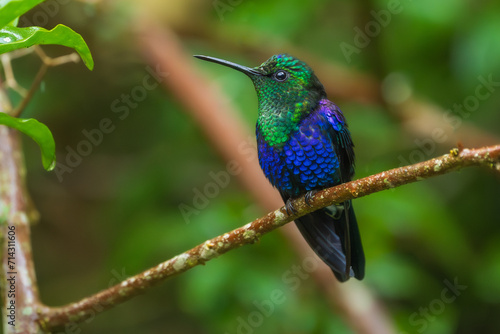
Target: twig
(10,79)
(46,63)
(72,57)
(54,318)
(34,87)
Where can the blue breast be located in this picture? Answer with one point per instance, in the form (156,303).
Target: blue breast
(307,161)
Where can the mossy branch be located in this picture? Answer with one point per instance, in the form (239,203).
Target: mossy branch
(56,318)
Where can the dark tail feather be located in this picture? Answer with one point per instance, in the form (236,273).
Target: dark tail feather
(327,237)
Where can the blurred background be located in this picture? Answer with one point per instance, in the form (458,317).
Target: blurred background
(413,78)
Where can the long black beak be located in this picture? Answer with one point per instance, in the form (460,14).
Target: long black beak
(247,70)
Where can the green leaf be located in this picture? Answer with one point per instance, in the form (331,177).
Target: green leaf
(10,10)
(13,38)
(39,132)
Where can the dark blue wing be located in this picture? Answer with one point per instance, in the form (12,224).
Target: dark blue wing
(340,137)
(335,237)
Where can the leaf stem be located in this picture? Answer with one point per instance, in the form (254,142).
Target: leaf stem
(46,63)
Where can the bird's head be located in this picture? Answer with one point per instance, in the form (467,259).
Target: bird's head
(287,89)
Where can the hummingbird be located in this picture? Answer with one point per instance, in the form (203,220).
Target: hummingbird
(304,145)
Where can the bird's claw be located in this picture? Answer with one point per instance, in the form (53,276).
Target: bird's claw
(290,210)
(309,196)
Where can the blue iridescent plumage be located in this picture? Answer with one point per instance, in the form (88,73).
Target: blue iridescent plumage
(308,160)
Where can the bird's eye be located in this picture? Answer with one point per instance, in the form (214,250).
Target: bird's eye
(281,75)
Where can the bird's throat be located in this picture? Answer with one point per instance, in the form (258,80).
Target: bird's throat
(277,123)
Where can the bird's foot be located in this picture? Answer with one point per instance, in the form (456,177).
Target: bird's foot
(290,210)
(309,196)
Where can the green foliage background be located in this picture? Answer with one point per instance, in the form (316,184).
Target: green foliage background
(117,213)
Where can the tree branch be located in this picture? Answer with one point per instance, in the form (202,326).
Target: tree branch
(20,292)
(55,318)
(20,298)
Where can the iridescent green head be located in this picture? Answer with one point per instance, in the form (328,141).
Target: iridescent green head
(287,89)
